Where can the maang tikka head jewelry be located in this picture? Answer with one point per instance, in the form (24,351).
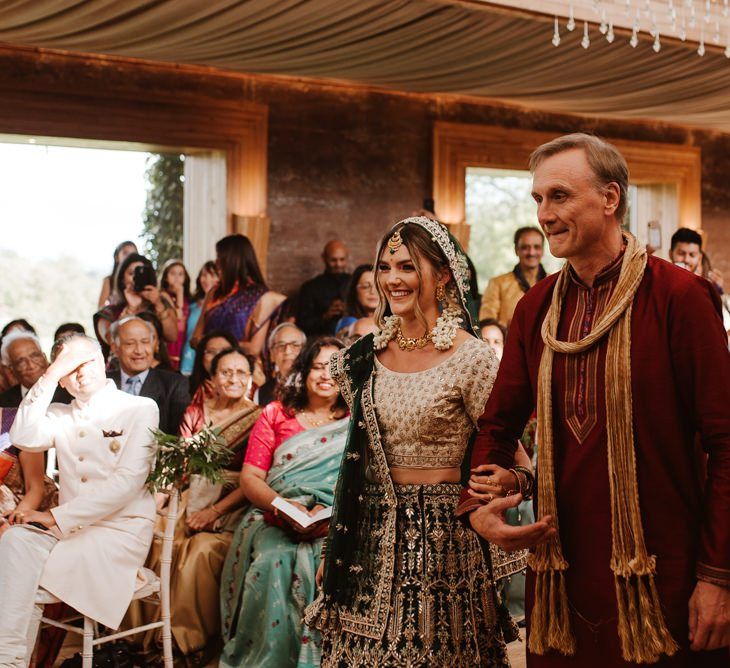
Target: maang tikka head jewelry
(395,242)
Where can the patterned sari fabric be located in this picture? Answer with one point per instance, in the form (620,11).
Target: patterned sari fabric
(11,473)
(268,579)
(442,605)
(232,313)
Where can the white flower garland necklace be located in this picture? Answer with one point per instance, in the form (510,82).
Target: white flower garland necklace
(442,335)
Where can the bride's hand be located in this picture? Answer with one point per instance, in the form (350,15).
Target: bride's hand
(490,481)
(320,574)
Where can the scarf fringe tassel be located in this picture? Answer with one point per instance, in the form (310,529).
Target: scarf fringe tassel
(641,628)
(550,621)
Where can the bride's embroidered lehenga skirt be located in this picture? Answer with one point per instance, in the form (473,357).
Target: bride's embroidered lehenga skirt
(443,609)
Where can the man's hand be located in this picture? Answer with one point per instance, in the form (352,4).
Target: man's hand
(488,521)
(709,617)
(27,516)
(69,359)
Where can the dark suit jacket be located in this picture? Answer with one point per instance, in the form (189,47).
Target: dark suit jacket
(11,398)
(169,390)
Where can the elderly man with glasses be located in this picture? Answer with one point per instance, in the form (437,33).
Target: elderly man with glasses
(285,343)
(21,352)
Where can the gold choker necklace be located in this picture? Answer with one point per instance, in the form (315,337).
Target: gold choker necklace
(406,343)
(315,421)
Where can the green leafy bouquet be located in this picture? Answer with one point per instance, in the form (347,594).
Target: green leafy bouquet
(204,454)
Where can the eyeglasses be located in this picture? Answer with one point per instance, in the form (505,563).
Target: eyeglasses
(34,359)
(233,373)
(281,347)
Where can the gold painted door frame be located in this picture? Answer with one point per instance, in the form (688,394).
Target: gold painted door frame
(457,146)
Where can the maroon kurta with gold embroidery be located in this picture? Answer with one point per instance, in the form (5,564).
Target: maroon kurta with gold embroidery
(680,369)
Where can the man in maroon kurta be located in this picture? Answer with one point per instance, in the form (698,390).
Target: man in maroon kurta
(680,377)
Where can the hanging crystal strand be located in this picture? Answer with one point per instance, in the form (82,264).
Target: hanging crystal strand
(586,41)
(635,31)
(701,48)
(657,46)
(727,47)
(571,19)
(716,36)
(603,28)
(725,7)
(556,33)
(609,35)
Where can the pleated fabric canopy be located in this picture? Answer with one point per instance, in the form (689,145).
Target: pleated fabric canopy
(427,46)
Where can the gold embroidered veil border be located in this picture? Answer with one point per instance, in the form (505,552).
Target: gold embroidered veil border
(642,631)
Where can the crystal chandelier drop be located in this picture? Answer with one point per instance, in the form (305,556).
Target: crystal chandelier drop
(700,21)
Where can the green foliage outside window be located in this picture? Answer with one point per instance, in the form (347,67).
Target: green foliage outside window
(498,202)
(162,219)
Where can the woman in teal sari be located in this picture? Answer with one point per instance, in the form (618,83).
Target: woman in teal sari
(294,454)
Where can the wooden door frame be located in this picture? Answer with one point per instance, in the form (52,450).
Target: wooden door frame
(138,105)
(457,146)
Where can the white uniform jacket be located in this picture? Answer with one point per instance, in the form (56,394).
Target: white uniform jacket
(105,513)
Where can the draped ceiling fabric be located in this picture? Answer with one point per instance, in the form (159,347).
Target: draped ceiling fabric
(426,46)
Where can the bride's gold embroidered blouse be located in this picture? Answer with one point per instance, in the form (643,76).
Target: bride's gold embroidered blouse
(426,417)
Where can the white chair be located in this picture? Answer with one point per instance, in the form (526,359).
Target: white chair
(156,589)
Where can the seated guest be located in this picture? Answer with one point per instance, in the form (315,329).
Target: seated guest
(294,452)
(175,285)
(161,357)
(207,279)
(120,253)
(21,353)
(133,343)
(209,513)
(241,303)
(285,343)
(362,327)
(94,542)
(68,328)
(201,385)
(7,378)
(23,483)
(361,301)
(126,300)
(322,299)
(494,335)
(18,323)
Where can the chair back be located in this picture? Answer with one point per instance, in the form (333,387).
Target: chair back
(168,538)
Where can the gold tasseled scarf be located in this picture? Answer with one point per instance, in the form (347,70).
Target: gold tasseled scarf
(643,633)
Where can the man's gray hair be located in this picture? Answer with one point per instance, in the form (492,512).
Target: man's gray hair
(117,325)
(12,337)
(278,328)
(61,341)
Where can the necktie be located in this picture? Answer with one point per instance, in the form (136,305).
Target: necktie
(133,386)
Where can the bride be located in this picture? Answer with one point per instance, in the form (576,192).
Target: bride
(404,582)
